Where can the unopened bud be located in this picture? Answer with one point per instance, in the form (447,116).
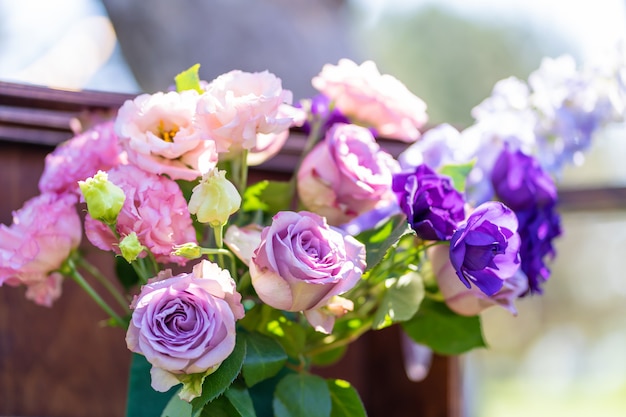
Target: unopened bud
(214,199)
(104,199)
(130,247)
(188,250)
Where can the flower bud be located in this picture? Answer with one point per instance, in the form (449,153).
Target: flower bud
(130,247)
(214,199)
(189,250)
(104,199)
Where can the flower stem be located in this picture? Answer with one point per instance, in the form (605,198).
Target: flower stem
(95,272)
(80,280)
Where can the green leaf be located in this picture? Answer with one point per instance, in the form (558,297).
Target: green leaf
(378,241)
(216,383)
(302,395)
(142,399)
(263,393)
(188,80)
(267,196)
(329,357)
(444,331)
(177,408)
(264,358)
(401,300)
(458,173)
(220,407)
(345,399)
(241,401)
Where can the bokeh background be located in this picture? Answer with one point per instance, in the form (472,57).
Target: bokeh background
(565,353)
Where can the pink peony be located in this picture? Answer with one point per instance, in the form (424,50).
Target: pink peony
(80,158)
(238,106)
(370,99)
(471,301)
(159,135)
(155,209)
(301,262)
(44,233)
(185,324)
(346,175)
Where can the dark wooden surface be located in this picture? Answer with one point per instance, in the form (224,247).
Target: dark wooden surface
(61,362)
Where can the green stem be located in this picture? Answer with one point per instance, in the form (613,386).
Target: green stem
(80,280)
(95,272)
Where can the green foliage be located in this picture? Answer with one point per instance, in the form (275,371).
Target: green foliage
(401,300)
(345,399)
(264,358)
(378,241)
(142,400)
(240,400)
(302,395)
(267,196)
(219,381)
(444,331)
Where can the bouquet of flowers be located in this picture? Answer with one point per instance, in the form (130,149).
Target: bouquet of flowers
(234,289)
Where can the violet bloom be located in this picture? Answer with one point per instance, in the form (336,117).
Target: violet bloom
(431,203)
(320,109)
(185,324)
(520,182)
(302,262)
(345,175)
(484,251)
(538,227)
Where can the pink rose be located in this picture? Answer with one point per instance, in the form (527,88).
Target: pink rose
(471,301)
(155,209)
(44,233)
(368,98)
(238,106)
(302,262)
(185,324)
(346,175)
(159,134)
(80,158)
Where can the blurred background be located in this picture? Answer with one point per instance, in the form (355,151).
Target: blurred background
(565,353)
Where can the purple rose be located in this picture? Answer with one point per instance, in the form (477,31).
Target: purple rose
(185,324)
(432,205)
(485,249)
(346,174)
(520,182)
(302,262)
(538,227)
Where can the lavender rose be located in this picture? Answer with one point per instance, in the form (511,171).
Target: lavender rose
(431,203)
(185,324)
(302,262)
(485,249)
(346,175)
